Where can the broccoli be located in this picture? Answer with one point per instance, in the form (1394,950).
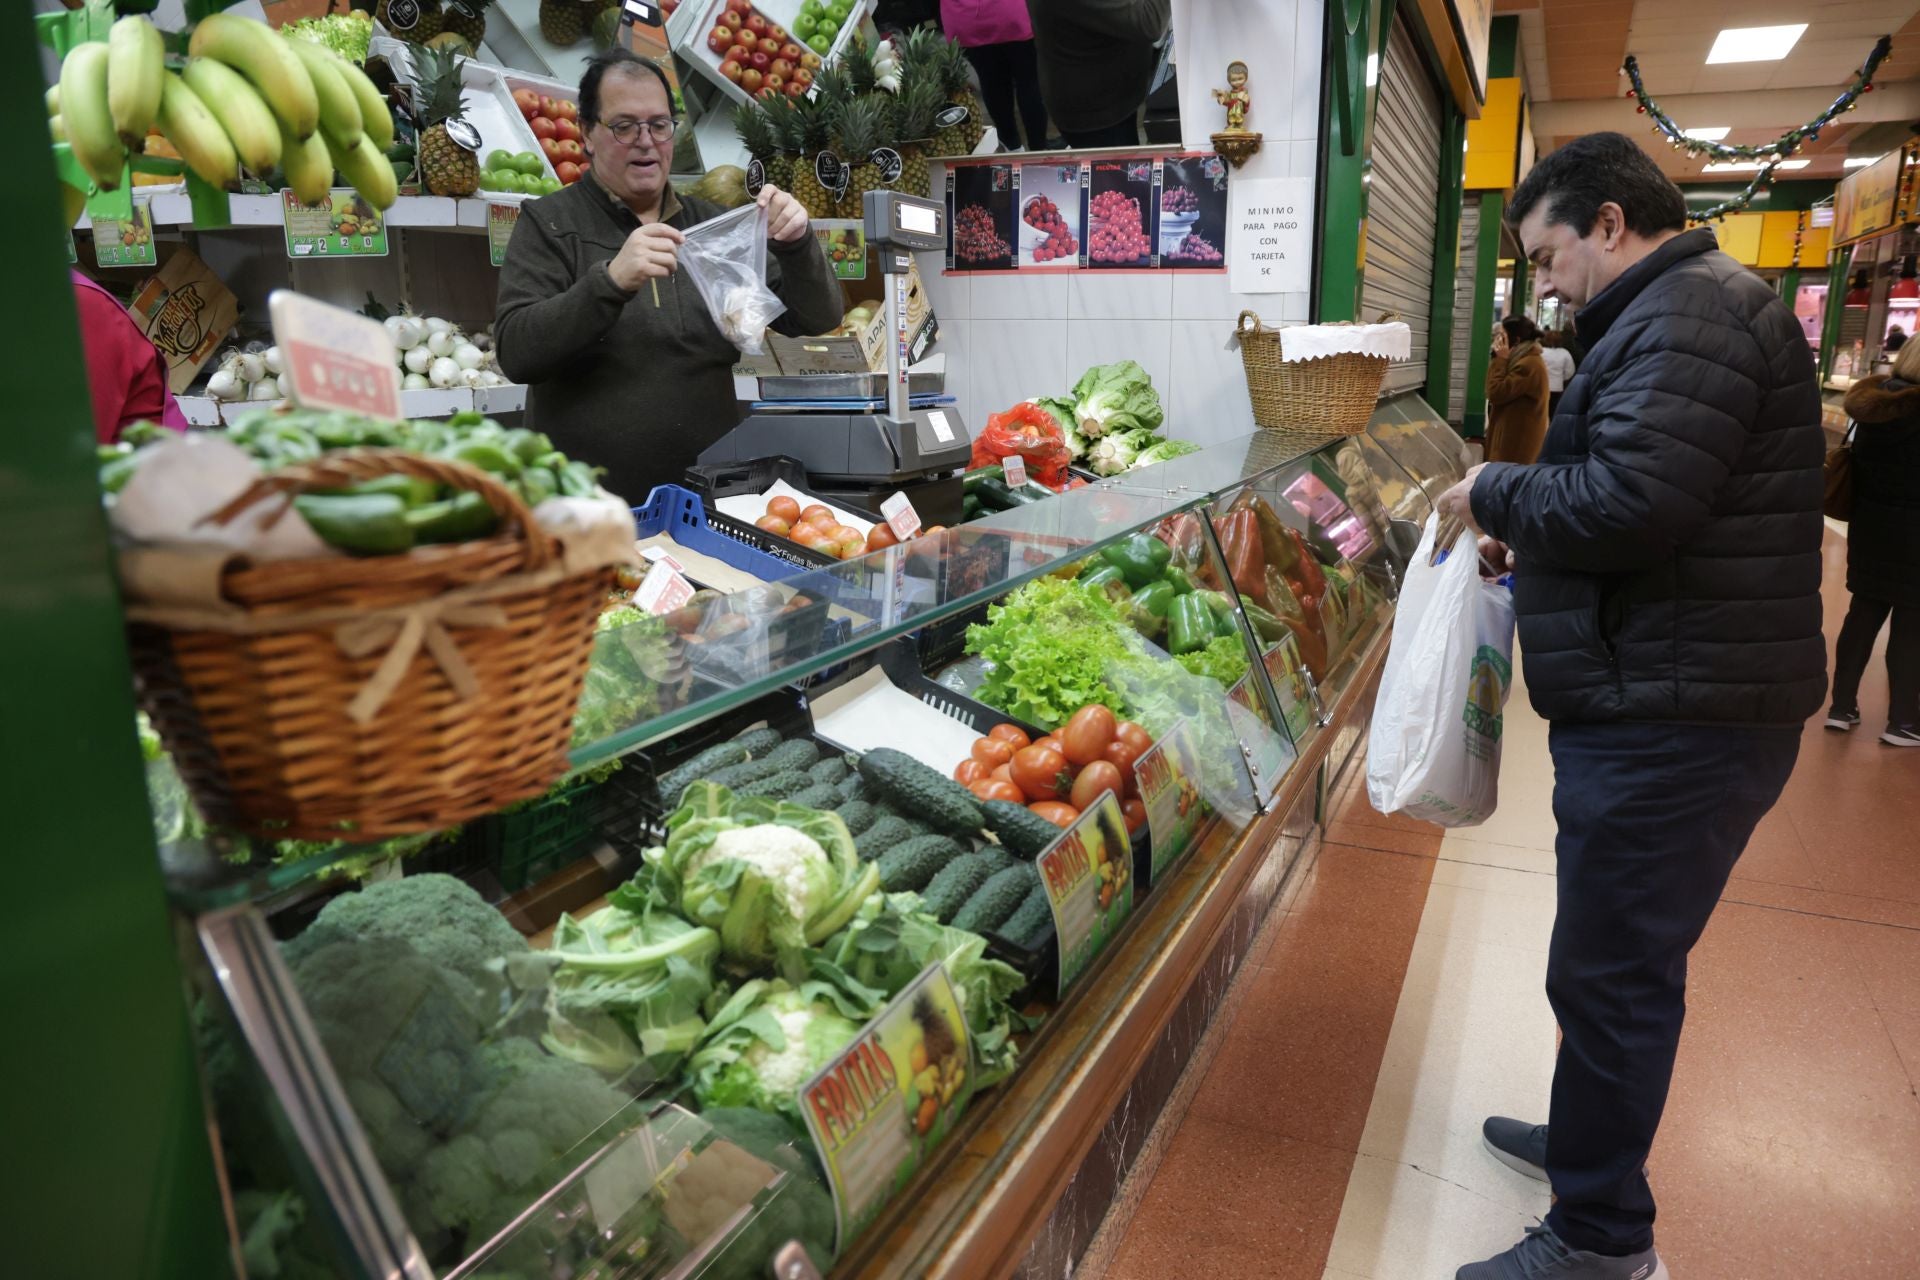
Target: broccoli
(438,916)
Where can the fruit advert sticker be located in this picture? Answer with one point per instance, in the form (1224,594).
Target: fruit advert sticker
(1175,811)
(1269,753)
(878,1110)
(341,226)
(1088,873)
(125,244)
(500,221)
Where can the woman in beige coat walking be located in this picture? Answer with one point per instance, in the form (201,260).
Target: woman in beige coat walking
(1516,393)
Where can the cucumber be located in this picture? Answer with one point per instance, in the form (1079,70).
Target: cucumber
(818,796)
(1020,830)
(854,787)
(959,880)
(912,864)
(777,786)
(832,771)
(997,899)
(757,742)
(920,792)
(970,482)
(676,780)
(797,754)
(858,815)
(1031,924)
(889,831)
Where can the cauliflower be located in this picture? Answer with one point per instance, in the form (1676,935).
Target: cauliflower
(771,1038)
(785,1069)
(792,862)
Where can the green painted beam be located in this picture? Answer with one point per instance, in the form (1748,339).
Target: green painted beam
(1446,259)
(1521,295)
(1503,47)
(113,1173)
(1480,341)
(1789,284)
(1353,30)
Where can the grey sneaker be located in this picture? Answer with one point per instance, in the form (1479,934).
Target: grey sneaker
(1517,1144)
(1542,1256)
(1901,736)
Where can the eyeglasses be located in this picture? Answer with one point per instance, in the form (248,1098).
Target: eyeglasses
(627,132)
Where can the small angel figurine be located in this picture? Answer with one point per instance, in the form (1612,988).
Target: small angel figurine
(1235,97)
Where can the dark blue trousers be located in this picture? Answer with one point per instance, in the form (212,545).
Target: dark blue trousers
(1652,818)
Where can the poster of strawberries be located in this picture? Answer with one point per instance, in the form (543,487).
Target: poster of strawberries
(980,210)
(1050,221)
(1120,214)
(1193,213)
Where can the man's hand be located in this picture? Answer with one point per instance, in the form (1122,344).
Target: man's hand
(1496,558)
(650,253)
(1457,502)
(786,218)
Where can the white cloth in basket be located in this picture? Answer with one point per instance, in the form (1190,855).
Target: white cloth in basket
(1394,340)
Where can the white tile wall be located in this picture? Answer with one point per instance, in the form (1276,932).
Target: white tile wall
(1015,360)
(1206,397)
(1093,295)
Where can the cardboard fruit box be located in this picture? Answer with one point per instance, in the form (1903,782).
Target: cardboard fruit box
(186,312)
(866,351)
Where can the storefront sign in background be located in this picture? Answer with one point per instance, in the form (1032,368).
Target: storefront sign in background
(1088,874)
(1864,203)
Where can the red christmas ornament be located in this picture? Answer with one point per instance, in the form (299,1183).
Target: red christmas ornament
(1867,88)
(1640,110)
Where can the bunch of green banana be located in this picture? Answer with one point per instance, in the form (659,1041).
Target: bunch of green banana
(247,96)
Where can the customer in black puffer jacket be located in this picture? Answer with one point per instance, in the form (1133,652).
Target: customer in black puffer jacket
(1666,551)
(1883,550)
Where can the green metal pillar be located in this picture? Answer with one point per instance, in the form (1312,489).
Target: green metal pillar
(1354,29)
(1519,296)
(1473,423)
(1789,285)
(1446,260)
(113,1173)
(1836,307)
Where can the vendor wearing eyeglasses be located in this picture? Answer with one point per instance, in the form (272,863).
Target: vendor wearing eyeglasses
(624,365)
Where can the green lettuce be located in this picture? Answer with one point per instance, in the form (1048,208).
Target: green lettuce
(1118,451)
(1165,451)
(1116,397)
(1052,644)
(1061,411)
(347,34)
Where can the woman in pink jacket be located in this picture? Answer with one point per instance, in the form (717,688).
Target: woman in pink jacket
(998,38)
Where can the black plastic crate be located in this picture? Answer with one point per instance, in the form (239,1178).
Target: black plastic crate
(731,479)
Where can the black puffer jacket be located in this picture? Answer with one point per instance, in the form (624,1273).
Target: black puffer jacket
(1883,535)
(1668,540)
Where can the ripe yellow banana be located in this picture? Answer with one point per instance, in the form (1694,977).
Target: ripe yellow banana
(241,112)
(88,120)
(267,59)
(136,60)
(196,133)
(308,166)
(53,99)
(58,128)
(367,171)
(339,106)
(375,118)
(72,201)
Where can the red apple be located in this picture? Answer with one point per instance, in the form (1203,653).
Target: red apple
(744,6)
(767,93)
(743,49)
(549,108)
(756,24)
(568,172)
(796,89)
(761,62)
(566,130)
(569,109)
(810,60)
(731,70)
(769,46)
(732,19)
(551,149)
(802,77)
(791,52)
(776,82)
(750,80)
(780,67)
(570,150)
(777,31)
(720,39)
(528,101)
(544,128)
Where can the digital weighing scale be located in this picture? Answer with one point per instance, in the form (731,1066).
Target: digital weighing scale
(863,456)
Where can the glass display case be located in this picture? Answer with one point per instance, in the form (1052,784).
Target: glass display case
(560,1043)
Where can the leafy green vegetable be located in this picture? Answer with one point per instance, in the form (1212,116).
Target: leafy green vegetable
(437,915)
(1224,659)
(1061,410)
(1051,644)
(632,652)
(347,34)
(1117,451)
(802,1209)
(627,989)
(770,1037)
(1165,451)
(1112,398)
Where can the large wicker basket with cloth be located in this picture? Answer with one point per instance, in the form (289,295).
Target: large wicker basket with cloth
(1320,377)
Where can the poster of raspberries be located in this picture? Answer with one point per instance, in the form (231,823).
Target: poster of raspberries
(980,207)
(1120,213)
(1050,222)
(1193,212)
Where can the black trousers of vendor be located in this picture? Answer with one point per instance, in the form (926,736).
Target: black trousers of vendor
(1652,818)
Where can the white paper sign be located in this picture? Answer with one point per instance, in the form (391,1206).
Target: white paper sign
(901,516)
(658,555)
(1270,235)
(663,589)
(1016,468)
(941,430)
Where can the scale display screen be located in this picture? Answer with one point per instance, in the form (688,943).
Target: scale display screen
(915,218)
(903,222)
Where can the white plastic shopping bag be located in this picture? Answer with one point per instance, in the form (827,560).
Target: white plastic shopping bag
(1434,750)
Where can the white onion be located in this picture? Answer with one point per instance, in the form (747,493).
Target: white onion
(436,325)
(468,356)
(255,347)
(272,357)
(440,343)
(408,333)
(492,379)
(443,372)
(223,385)
(265,389)
(250,367)
(417,360)
(471,378)
(414,382)
(392,323)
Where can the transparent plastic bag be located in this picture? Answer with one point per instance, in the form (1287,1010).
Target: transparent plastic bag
(726,258)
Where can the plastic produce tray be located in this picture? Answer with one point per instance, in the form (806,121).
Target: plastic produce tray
(526,845)
(682,516)
(731,479)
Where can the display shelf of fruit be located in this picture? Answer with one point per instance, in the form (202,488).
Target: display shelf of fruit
(555,124)
(1117,234)
(760,48)
(975,238)
(1064,773)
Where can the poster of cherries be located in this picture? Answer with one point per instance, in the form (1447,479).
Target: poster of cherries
(1137,213)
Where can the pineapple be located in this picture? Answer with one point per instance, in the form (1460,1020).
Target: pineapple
(606,27)
(950,65)
(467,18)
(831,90)
(914,109)
(758,129)
(563,22)
(860,130)
(411,19)
(858,61)
(447,168)
(811,125)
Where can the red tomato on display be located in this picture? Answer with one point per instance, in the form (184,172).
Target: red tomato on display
(1042,773)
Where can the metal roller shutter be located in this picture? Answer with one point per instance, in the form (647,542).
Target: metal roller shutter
(1402,201)
(1463,311)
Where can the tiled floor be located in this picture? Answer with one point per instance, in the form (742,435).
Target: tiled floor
(1336,1134)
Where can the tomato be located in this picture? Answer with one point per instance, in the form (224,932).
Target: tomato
(1060,815)
(1002,774)
(1041,773)
(1087,734)
(1136,815)
(992,752)
(1094,780)
(1011,733)
(1128,731)
(969,771)
(881,535)
(1051,742)
(774,525)
(816,514)
(1124,756)
(992,789)
(785,508)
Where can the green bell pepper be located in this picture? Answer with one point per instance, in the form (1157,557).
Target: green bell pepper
(487,457)
(1189,625)
(1269,628)
(1148,609)
(1143,558)
(460,518)
(578,480)
(1106,580)
(537,484)
(1181,581)
(526,445)
(116,472)
(411,490)
(361,524)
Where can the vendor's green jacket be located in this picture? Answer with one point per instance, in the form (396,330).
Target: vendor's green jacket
(613,378)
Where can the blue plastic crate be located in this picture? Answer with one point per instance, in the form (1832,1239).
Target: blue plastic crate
(679,514)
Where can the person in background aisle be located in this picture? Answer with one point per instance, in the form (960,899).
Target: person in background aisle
(1666,560)
(1097,59)
(1883,549)
(998,38)
(1560,368)
(1517,384)
(624,364)
(1896,339)
(126,376)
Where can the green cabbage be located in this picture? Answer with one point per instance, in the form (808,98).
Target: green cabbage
(1111,398)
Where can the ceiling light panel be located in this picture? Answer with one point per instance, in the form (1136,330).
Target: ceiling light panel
(1755,44)
(1714,134)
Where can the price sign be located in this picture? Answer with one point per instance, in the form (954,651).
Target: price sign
(500,221)
(885,1103)
(1088,876)
(341,226)
(1292,685)
(942,429)
(1175,809)
(1268,754)
(333,358)
(900,516)
(1016,468)
(889,163)
(831,173)
(756,177)
(659,555)
(125,244)
(663,589)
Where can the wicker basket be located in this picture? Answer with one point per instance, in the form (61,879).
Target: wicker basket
(1334,394)
(274,703)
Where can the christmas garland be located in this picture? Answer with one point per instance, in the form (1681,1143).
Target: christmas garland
(1769,154)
